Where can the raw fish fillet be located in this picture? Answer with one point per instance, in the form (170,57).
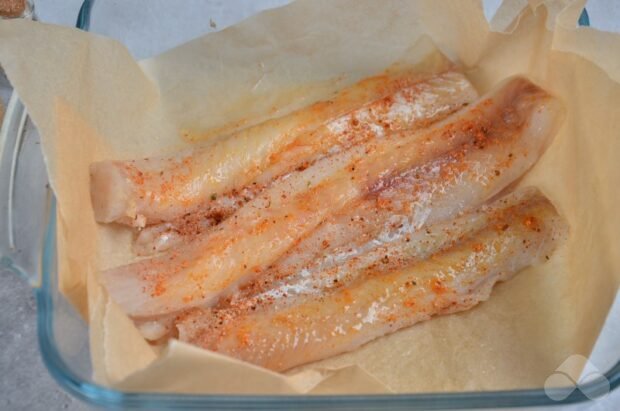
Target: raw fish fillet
(159,189)
(412,106)
(400,206)
(312,327)
(241,247)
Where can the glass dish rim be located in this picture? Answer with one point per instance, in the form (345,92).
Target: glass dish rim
(103,396)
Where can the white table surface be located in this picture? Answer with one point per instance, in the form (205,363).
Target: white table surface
(24,382)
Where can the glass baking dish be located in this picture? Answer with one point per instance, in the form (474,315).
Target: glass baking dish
(28,227)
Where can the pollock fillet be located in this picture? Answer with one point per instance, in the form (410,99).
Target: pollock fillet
(313,327)
(399,206)
(211,181)
(241,247)
(337,268)
(413,105)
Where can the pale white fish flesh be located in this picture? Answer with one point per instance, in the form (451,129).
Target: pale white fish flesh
(340,267)
(337,270)
(411,106)
(405,203)
(312,328)
(151,190)
(263,229)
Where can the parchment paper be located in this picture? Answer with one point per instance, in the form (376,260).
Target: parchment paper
(92,101)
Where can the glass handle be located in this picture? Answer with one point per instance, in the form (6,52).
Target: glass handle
(24,194)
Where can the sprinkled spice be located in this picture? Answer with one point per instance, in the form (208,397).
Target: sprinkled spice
(532,223)
(437,286)
(159,289)
(478,247)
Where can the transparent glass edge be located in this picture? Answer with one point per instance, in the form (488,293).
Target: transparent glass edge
(102,396)
(107,397)
(8,141)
